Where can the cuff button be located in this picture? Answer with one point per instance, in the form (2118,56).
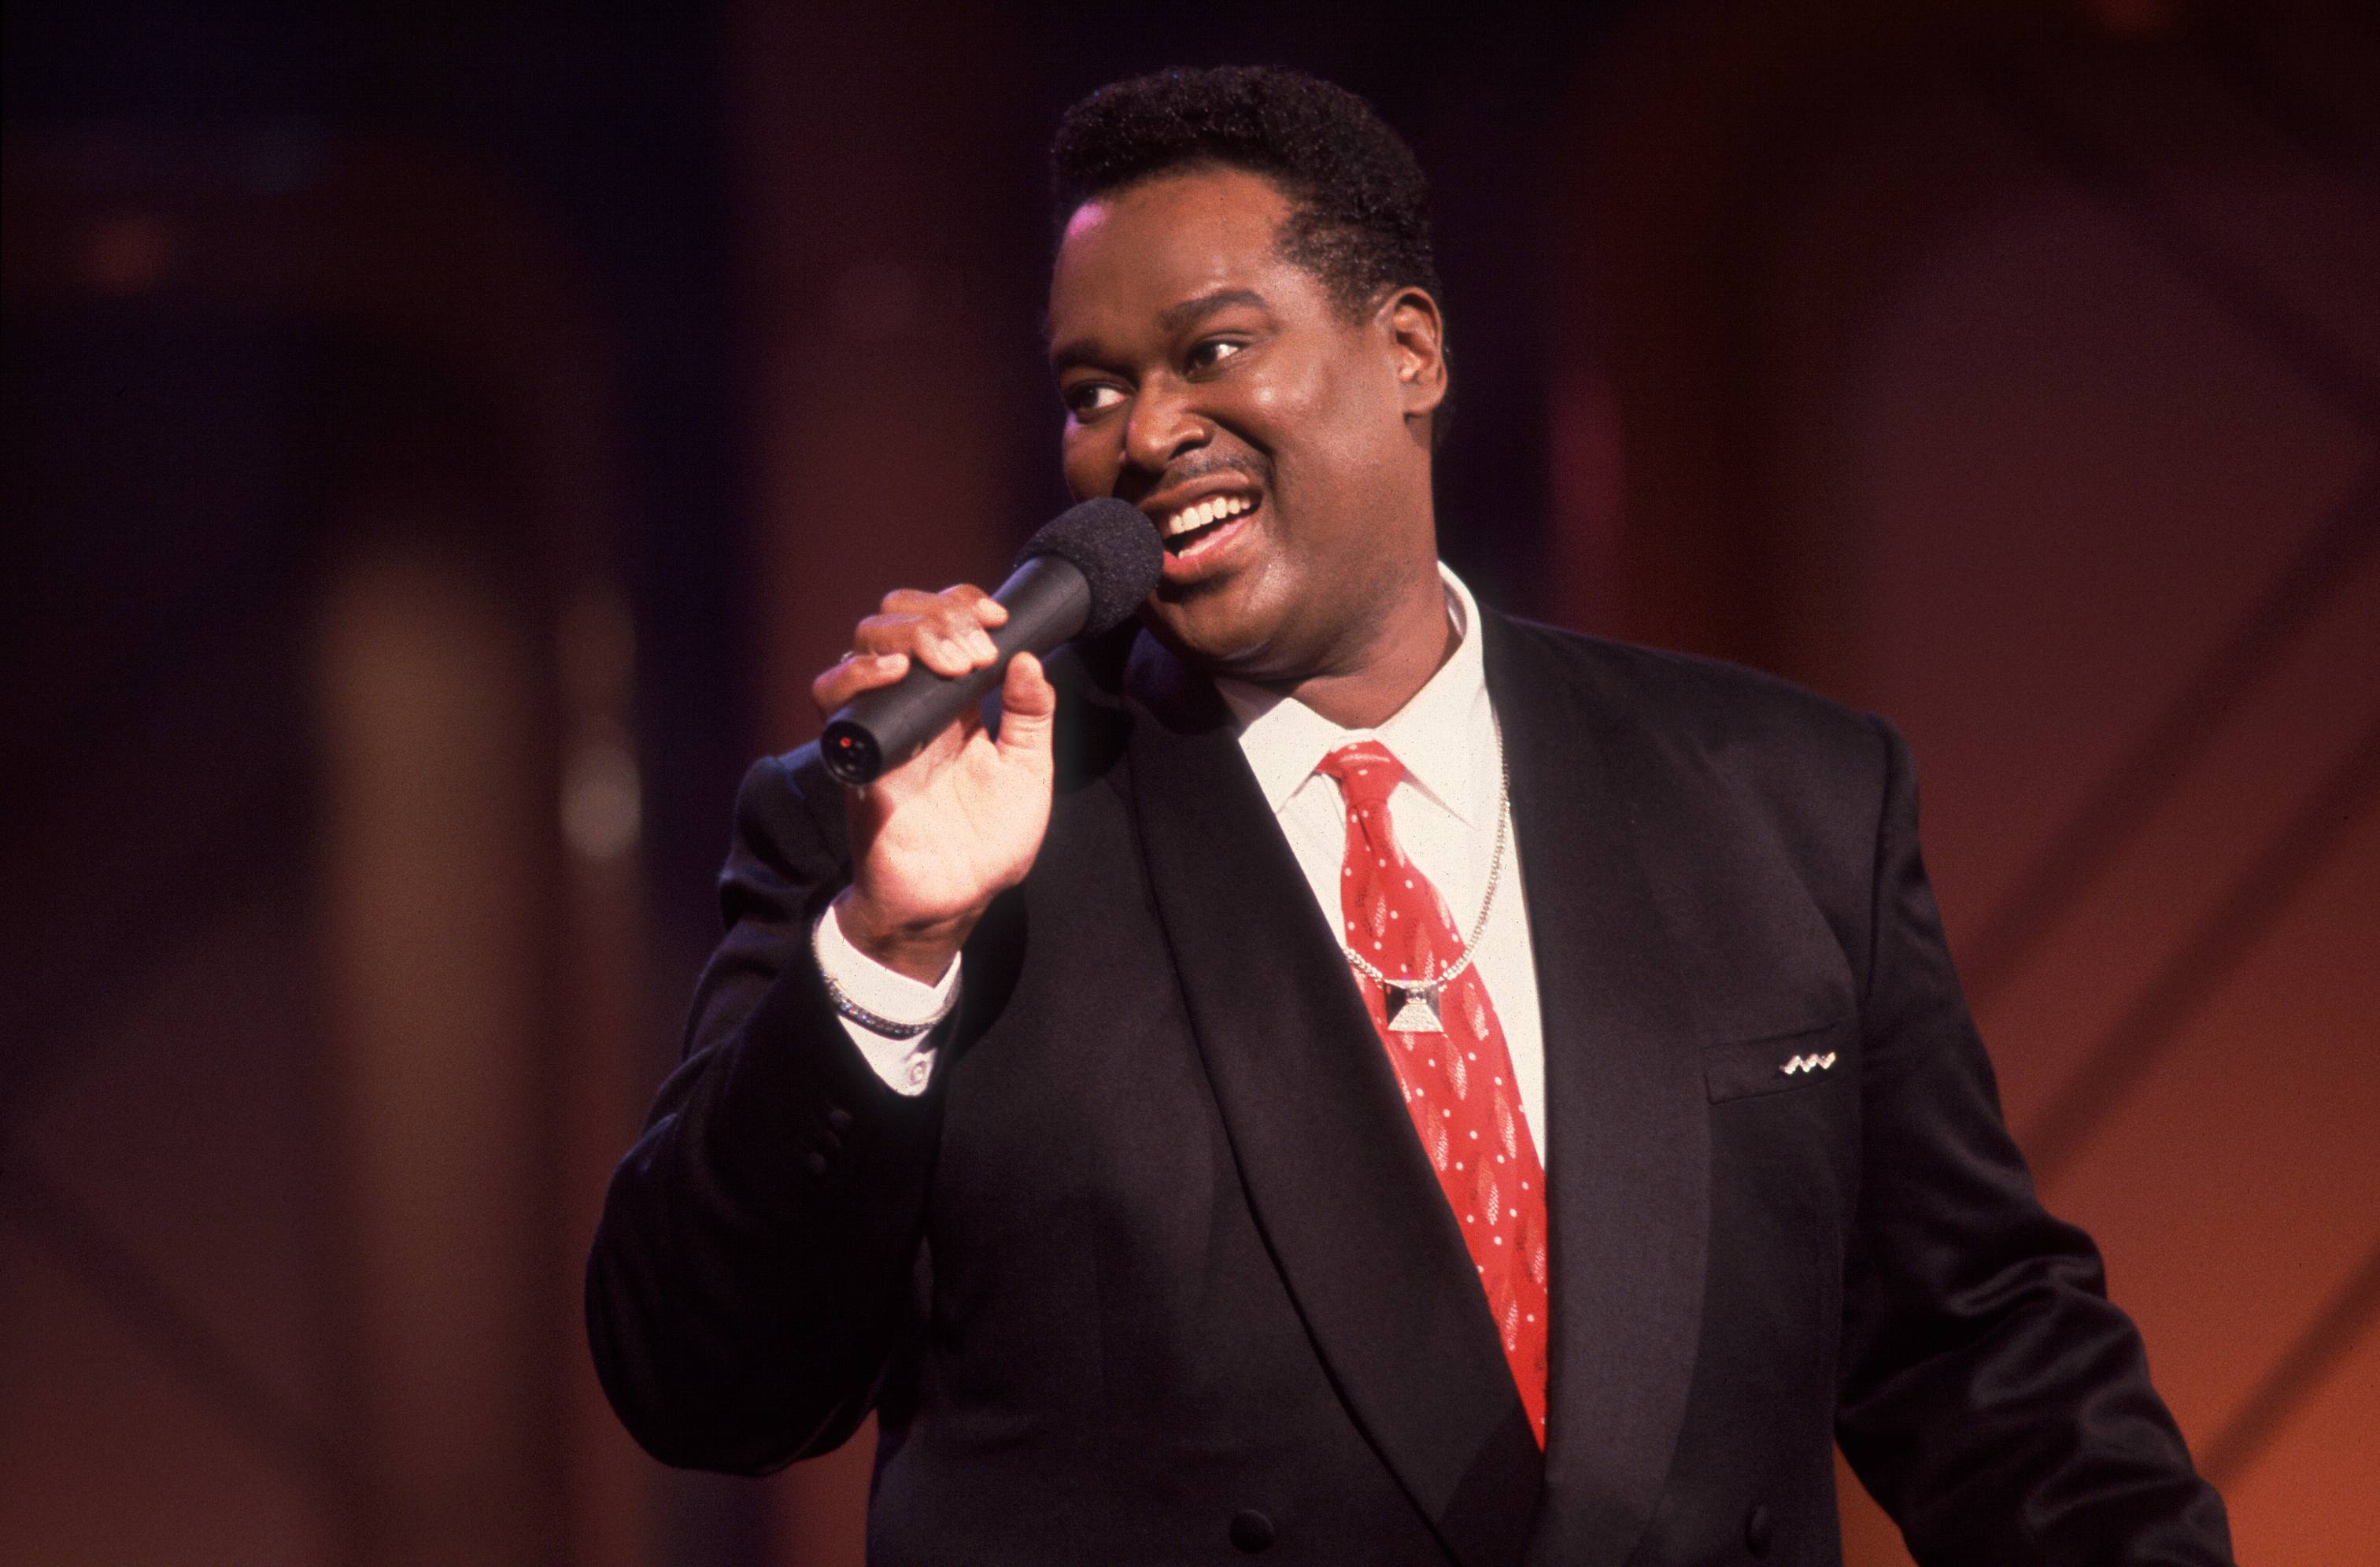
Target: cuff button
(1251,1531)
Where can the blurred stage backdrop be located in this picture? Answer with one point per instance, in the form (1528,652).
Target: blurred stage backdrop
(443,439)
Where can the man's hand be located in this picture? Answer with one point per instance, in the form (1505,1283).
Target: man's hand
(936,839)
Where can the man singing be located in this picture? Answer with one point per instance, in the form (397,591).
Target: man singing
(1338,1072)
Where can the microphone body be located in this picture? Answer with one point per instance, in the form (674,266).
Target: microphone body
(1088,570)
(1046,600)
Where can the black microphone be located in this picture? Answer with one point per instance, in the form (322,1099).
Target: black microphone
(1085,572)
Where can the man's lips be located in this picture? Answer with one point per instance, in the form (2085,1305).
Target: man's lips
(1199,502)
(1204,521)
(1206,548)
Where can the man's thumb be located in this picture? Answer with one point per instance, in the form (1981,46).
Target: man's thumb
(1029,710)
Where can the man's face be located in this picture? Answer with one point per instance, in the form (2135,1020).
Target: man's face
(1281,450)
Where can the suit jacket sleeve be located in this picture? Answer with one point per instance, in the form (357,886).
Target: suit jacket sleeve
(1993,1399)
(751,1270)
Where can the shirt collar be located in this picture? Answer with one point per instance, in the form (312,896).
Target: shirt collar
(1442,734)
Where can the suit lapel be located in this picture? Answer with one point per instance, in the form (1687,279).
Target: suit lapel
(1628,1165)
(1336,1181)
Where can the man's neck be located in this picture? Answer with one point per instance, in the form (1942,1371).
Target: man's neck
(1410,645)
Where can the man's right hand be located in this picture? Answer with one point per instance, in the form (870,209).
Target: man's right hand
(936,839)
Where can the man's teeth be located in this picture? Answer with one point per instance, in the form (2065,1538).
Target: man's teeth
(1190,519)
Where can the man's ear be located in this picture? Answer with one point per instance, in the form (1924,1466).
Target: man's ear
(1416,336)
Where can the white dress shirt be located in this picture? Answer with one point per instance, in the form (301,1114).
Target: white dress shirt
(1443,811)
(906,1066)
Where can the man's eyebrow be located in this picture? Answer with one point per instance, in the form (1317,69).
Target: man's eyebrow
(1065,355)
(1173,318)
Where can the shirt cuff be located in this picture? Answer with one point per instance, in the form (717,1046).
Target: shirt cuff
(905,1065)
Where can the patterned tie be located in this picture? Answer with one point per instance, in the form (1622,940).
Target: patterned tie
(1456,1075)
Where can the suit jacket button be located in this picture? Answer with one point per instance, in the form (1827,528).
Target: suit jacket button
(816,1163)
(1759,1530)
(1251,1530)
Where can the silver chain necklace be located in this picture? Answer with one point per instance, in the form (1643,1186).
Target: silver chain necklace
(1411,1004)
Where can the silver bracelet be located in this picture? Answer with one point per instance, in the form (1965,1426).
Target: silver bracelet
(873,1022)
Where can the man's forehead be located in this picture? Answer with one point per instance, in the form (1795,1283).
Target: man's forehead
(1176,219)
(1220,186)
(1162,253)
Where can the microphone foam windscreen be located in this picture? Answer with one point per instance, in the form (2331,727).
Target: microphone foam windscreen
(1116,550)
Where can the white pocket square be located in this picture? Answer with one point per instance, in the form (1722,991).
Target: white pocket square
(1808,1063)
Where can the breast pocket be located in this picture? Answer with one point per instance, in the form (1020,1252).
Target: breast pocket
(1777,1063)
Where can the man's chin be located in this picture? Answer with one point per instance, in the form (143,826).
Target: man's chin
(1207,628)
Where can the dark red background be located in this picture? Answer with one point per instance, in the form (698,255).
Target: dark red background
(441,442)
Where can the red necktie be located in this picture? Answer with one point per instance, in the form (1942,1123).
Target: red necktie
(1456,1073)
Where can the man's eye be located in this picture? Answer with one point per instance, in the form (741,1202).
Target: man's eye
(1092,398)
(1212,352)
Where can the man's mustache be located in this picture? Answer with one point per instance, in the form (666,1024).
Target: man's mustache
(1196,466)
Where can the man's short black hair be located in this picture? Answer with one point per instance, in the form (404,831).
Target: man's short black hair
(1359,207)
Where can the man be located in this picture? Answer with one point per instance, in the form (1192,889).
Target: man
(1340,1072)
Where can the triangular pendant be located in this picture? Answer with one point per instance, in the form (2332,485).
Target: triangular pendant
(1413,1009)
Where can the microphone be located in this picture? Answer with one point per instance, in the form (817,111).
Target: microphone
(1085,572)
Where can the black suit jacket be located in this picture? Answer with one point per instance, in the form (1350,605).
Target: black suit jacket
(1157,1270)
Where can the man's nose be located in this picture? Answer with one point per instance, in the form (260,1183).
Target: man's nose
(1162,426)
